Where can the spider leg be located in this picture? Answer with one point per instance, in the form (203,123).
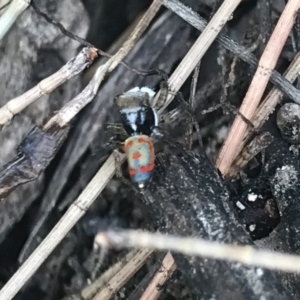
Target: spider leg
(118,163)
(163,96)
(119,172)
(116,129)
(172,115)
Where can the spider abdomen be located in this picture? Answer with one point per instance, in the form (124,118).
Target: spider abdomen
(140,157)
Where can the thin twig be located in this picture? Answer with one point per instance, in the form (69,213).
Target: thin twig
(11,14)
(198,247)
(257,145)
(168,266)
(72,108)
(274,97)
(192,104)
(269,103)
(136,34)
(257,87)
(70,218)
(73,67)
(3,5)
(91,290)
(124,275)
(200,23)
(195,54)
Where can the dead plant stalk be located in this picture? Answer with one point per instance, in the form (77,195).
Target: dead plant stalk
(199,247)
(258,85)
(72,68)
(168,266)
(124,275)
(269,103)
(11,14)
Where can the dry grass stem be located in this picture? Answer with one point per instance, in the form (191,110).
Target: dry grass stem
(70,218)
(209,34)
(4,4)
(72,108)
(137,32)
(91,290)
(11,14)
(70,69)
(199,23)
(258,144)
(198,247)
(257,87)
(124,275)
(274,97)
(269,103)
(168,266)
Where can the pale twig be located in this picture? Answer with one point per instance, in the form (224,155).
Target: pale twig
(11,14)
(189,62)
(198,247)
(124,275)
(73,67)
(69,219)
(137,32)
(257,87)
(4,4)
(192,104)
(266,108)
(91,290)
(199,23)
(72,108)
(274,97)
(168,266)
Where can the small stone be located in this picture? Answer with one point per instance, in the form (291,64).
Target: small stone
(288,122)
(252,227)
(240,205)
(252,197)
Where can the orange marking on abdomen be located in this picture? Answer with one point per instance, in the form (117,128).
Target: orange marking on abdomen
(132,172)
(142,139)
(128,143)
(136,155)
(148,168)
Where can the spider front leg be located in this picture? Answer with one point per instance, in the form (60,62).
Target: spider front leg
(117,129)
(118,135)
(118,163)
(163,96)
(119,173)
